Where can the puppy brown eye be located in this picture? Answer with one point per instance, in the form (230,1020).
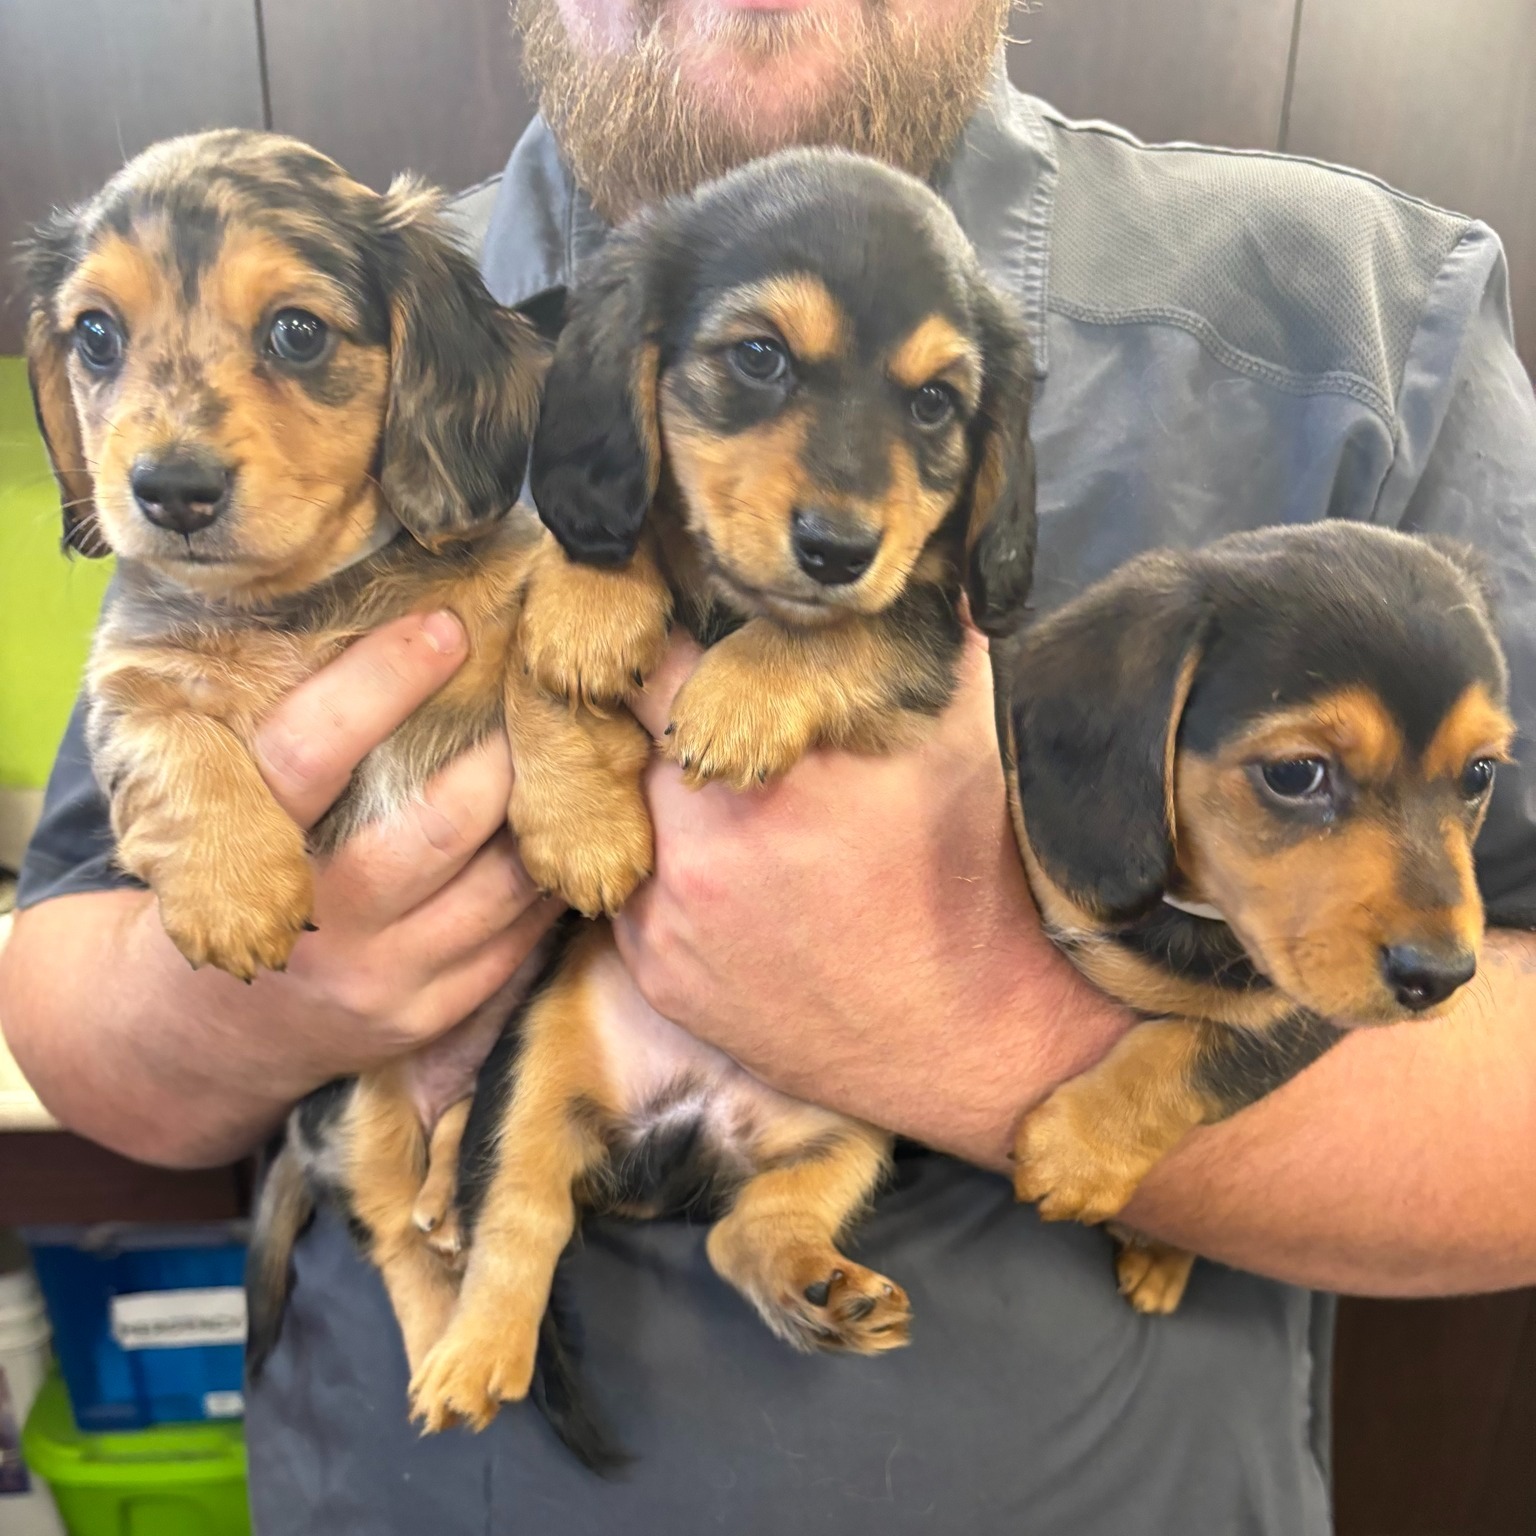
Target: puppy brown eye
(99,340)
(1296,778)
(760,360)
(1477,778)
(298,337)
(933,405)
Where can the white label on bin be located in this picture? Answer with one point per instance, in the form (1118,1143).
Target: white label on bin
(178,1319)
(223,1405)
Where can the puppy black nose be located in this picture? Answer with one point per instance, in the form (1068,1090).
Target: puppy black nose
(1420,979)
(183,491)
(832,553)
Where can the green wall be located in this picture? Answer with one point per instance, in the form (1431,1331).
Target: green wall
(48,603)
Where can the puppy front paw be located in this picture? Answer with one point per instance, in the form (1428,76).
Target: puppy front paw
(726,727)
(1065,1164)
(241,916)
(483,1361)
(590,635)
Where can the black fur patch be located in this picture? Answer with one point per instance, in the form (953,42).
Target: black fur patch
(1240,1066)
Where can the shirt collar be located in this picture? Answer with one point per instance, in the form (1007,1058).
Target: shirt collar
(1000,181)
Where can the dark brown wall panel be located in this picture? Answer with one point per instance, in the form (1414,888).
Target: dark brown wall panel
(1208,70)
(390,85)
(1435,1417)
(86,83)
(1436,98)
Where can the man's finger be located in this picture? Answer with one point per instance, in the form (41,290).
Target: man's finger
(488,895)
(394,865)
(652,704)
(308,746)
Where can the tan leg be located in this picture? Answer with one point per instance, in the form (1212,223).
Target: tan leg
(387,1160)
(1152,1275)
(526,1219)
(778,1247)
(196,822)
(1083,1152)
(434,1213)
(764,696)
(577,809)
(588,635)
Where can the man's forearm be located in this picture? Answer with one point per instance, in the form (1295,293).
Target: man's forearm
(127,1045)
(1401,1164)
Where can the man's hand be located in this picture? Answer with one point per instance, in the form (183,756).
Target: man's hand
(419,922)
(860,933)
(419,919)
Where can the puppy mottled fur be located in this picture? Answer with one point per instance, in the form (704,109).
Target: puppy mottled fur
(789,413)
(291,409)
(1246,782)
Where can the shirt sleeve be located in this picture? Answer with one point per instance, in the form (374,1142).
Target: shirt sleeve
(1465,469)
(72,848)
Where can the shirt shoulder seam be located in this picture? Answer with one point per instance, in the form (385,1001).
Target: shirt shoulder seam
(1105,130)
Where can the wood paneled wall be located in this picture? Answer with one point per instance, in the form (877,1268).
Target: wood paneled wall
(1435,98)
(1436,1419)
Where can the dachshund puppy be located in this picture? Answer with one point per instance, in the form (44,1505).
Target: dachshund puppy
(1246,782)
(789,411)
(291,409)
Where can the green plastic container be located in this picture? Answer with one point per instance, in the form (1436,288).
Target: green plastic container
(170,1480)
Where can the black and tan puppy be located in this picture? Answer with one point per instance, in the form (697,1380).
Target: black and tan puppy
(1247,782)
(291,409)
(790,411)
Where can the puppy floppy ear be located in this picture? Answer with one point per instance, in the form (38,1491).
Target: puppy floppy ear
(46,260)
(1000,539)
(1092,702)
(464,376)
(597,453)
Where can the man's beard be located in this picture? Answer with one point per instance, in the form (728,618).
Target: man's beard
(633,128)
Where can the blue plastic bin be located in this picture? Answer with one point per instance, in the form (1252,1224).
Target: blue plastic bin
(148,1323)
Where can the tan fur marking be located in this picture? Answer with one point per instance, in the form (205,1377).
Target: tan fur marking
(486,1357)
(1082,1153)
(780,1239)
(386,1164)
(764,696)
(117,275)
(588,634)
(798,306)
(1474,726)
(1352,725)
(643,401)
(936,350)
(48,369)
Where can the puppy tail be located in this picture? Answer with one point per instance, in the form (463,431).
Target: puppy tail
(559,1393)
(282,1213)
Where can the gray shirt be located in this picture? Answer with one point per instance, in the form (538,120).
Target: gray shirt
(1223,341)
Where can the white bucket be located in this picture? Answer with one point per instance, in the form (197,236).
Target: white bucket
(26,1506)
